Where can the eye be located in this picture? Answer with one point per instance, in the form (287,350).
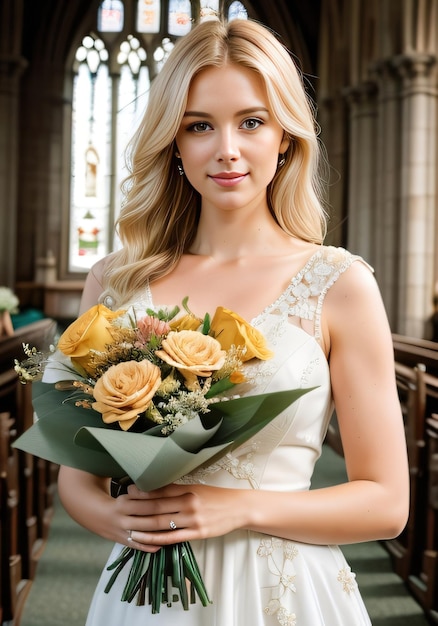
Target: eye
(251,123)
(199,127)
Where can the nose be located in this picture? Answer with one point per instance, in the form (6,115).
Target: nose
(228,147)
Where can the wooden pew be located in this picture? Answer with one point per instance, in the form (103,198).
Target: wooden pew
(414,553)
(410,351)
(27,483)
(14,588)
(423,583)
(39,334)
(405,549)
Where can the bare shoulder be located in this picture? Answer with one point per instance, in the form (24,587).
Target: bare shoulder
(94,284)
(99,269)
(353,309)
(357,281)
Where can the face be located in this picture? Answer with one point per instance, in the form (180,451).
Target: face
(229,140)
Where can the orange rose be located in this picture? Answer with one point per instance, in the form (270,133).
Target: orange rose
(192,353)
(231,329)
(125,390)
(91,331)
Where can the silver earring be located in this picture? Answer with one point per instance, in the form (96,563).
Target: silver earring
(281,160)
(179,165)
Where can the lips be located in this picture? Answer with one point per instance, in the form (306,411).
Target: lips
(228,179)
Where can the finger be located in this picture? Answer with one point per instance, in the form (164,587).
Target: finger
(161,492)
(131,542)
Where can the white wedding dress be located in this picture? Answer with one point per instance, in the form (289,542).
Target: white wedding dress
(255,579)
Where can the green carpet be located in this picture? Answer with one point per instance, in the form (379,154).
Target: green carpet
(73,558)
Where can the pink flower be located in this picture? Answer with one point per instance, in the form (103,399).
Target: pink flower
(148,326)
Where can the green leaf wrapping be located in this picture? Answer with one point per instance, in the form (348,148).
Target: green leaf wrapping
(77,437)
(70,435)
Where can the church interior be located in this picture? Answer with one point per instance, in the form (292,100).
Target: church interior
(74,78)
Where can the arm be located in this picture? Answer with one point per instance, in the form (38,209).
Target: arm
(372,505)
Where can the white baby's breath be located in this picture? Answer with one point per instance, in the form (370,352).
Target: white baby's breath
(8,300)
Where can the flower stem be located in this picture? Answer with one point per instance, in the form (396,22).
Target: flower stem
(155,574)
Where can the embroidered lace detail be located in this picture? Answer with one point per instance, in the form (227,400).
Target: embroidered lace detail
(347,579)
(308,372)
(304,296)
(283,616)
(240,467)
(257,371)
(280,555)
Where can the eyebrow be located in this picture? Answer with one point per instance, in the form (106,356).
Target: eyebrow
(242,112)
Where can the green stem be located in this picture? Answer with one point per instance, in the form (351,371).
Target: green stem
(156,573)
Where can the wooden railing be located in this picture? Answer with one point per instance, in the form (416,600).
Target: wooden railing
(26,483)
(411,351)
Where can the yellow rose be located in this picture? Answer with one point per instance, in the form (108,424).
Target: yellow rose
(91,331)
(192,353)
(185,322)
(231,329)
(125,390)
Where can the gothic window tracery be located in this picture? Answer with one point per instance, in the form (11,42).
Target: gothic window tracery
(113,68)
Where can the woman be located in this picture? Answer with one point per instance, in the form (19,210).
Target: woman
(222,206)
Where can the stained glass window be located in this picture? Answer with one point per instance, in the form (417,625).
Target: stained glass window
(113,73)
(180,17)
(237,11)
(209,9)
(148,16)
(90,169)
(110,16)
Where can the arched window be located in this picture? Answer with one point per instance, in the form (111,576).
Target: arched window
(113,68)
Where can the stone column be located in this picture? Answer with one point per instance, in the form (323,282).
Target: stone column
(11,69)
(418,190)
(362,169)
(331,117)
(387,184)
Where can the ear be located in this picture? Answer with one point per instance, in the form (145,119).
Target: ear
(285,143)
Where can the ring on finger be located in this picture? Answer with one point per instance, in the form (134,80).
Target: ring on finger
(130,536)
(172,525)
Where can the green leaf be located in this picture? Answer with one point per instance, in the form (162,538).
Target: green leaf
(219,387)
(245,417)
(206,324)
(66,434)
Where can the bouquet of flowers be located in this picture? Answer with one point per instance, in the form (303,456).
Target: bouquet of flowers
(142,400)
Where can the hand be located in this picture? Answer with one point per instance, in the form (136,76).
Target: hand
(195,512)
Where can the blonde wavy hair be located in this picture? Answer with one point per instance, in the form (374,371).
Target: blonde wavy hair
(158,220)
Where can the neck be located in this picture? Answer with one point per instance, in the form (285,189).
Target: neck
(236,236)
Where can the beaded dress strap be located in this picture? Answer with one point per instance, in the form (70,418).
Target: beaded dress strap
(305,294)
